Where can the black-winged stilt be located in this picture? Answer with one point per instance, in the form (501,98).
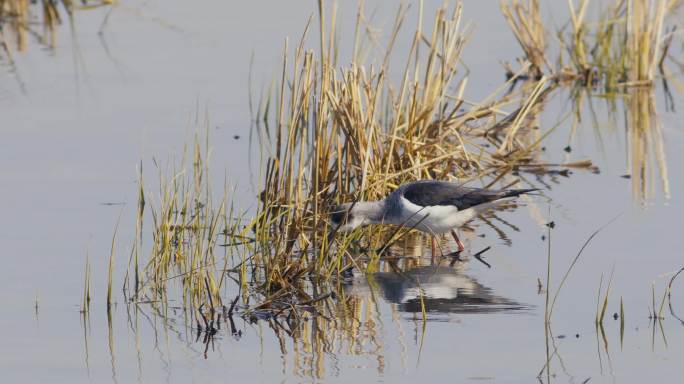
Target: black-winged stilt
(431,206)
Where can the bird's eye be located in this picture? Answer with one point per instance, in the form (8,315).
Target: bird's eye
(337,216)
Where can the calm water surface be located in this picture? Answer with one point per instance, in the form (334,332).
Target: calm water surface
(68,155)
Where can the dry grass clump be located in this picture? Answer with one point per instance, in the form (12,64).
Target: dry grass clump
(624,46)
(330,133)
(525,20)
(341,133)
(187,230)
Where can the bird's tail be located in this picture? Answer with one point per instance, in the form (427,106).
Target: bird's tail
(517,192)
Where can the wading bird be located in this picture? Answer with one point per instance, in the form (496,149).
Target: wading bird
(430,206)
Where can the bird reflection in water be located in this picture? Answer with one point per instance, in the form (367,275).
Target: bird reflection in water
(444,290)
(407,274)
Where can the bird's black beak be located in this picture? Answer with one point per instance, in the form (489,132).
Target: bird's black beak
(332,232)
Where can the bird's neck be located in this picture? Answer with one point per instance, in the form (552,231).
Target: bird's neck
(372,211)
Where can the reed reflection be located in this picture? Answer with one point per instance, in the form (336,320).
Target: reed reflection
(311,345)
(645,143)
(645,155)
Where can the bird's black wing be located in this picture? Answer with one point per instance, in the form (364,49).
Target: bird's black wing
(431,192)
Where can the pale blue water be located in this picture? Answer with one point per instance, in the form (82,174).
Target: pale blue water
(70,145)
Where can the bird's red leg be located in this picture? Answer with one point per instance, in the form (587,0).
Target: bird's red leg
(461,247)
(434,248)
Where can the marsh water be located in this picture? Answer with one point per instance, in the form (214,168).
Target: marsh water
(76,122)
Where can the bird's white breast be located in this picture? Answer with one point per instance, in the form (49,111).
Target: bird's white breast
(435,219)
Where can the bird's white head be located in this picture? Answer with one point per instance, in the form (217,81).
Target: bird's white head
(348,216)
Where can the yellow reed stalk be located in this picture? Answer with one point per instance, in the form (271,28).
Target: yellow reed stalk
(110,270)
